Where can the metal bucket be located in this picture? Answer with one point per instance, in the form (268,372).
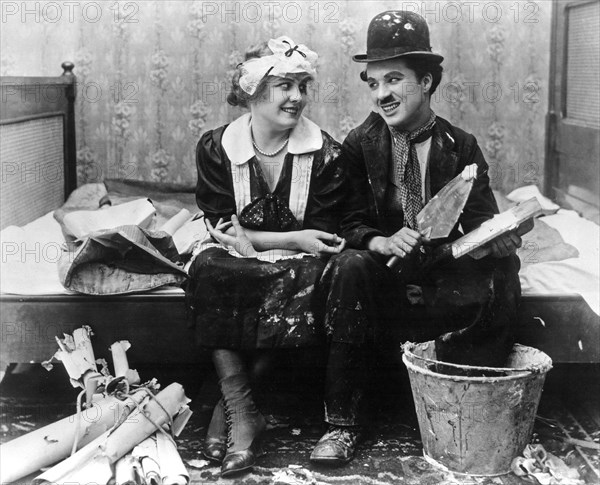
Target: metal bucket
(475,420)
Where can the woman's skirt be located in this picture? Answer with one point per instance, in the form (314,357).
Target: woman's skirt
(245,303)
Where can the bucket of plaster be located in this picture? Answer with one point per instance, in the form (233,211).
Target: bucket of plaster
(475,420)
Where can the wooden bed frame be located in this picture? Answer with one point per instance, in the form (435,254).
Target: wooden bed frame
(30,102)
(156,324)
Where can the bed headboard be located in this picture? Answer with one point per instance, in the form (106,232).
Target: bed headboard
(37,145)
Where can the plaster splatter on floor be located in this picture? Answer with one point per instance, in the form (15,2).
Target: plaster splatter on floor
(391,452)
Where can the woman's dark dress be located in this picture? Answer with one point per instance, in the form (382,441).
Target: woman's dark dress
(245,303)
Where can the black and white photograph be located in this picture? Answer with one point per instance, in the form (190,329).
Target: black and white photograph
(300,242)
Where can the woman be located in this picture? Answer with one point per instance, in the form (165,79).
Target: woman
(269,184)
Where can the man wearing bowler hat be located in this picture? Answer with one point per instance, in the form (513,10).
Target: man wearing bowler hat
(397,160)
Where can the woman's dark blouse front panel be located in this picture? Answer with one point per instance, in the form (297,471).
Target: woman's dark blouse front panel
(215,194)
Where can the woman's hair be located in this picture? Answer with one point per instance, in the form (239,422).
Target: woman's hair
(237,96)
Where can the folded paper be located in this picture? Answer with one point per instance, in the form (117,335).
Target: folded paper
(128,471)
(138,212)
(176,222)
(52,443)
(94,461)
(121,365)
(123,416)
(77,355)
(147,454)
(172,469)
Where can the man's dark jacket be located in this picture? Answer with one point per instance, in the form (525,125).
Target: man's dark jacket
(367,153)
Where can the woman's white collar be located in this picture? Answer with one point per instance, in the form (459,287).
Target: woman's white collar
(237,139)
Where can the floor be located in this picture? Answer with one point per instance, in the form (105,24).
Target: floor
(391,452)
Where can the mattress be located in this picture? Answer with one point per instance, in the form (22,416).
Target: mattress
(560,256)
(578,275)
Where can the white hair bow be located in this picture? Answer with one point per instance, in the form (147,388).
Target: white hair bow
(287,58)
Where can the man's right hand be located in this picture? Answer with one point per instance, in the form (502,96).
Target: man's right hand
(401,244)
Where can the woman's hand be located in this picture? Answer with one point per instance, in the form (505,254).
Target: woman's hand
(239,241)
(318,242)
(402,244)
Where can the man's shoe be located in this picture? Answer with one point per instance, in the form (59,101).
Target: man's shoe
(337,446)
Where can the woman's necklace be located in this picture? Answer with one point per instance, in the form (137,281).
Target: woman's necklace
(271,154)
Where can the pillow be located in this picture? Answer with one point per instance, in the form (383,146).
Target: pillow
(86,197)
(527,192)
(503,203)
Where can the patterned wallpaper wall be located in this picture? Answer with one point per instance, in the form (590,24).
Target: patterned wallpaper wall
(153,76)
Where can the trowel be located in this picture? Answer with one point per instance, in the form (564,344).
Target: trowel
(441,213)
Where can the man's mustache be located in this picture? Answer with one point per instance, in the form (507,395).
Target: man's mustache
(386,100)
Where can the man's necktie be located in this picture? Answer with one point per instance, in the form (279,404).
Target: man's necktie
(406,173)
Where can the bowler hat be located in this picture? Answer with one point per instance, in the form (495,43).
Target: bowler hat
(397,33)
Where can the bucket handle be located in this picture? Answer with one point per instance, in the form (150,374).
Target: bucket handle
(533,369)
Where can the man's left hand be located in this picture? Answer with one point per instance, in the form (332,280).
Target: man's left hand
(505,244)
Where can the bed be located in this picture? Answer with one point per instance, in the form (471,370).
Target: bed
(38,152)
(560,319)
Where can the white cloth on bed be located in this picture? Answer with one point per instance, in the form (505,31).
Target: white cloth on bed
(579,275)
(29,258)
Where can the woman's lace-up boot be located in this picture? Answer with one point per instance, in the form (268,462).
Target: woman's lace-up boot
(244,425)
(215,443)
